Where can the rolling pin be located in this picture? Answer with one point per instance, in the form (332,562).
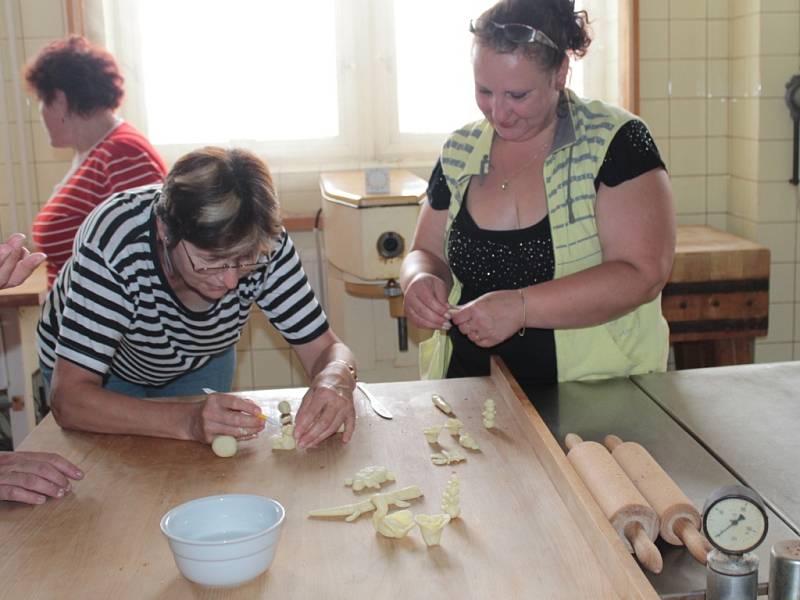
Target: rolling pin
(680,520)
(629,513)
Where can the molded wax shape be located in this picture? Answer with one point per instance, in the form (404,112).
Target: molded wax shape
(431,527)
(283,442)
(371,477)
(450,497)
(432,433)
(286,440)
(489,412)
(454,426)
(445,458)
(396,525)
(468,441)
(353,511)
(224,446)
(441,404)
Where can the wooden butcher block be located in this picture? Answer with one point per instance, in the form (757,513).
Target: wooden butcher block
(528,527)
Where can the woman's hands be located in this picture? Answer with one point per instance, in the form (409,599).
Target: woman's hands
(425,302)
(327,404)
(32,477)
(16,262)
(226,414)
(492,318)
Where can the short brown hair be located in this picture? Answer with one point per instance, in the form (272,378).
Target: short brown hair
(87,74)
(568,29)
(221,200)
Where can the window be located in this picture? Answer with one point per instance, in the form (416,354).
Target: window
(323,82)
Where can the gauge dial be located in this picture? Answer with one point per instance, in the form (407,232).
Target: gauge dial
(735,520)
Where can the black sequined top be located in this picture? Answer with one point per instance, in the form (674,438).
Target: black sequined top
(489,260)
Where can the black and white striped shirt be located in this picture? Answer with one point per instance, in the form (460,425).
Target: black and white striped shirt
(112,311)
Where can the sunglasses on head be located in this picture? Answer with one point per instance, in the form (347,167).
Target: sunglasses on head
(516,33)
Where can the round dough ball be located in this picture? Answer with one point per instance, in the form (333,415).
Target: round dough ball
(284,407)
(224,446)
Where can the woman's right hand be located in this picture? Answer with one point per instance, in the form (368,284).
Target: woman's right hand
(226,414)
(425,302)
(32,477)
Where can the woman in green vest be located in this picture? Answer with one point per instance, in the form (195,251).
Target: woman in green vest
(549,228)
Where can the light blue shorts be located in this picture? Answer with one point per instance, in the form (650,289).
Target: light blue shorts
(216,374)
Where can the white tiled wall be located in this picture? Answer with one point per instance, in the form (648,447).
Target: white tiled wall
(35,22)
(712,77)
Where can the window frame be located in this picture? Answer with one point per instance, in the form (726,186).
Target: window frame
(367,88)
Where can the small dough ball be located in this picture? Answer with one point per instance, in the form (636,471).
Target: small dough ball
(284,407)
(224,446)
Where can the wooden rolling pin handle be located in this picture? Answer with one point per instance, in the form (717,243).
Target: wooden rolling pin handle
(572,440)
(611,441)
(695,542)
(643,547)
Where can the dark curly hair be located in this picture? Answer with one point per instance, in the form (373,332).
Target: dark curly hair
(87,74)
(221,200)
(555,18)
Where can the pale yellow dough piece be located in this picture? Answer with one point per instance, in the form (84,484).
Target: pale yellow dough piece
(371,477)
(224,446)
(284,441)
(451,497)
(454,426)
(441,404)
(466,440)
(432,433)
(446,458)
(431,526)
(356,509)
(489,412)
(284,407)
(395,525)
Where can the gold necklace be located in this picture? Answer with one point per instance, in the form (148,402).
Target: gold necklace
(507,178)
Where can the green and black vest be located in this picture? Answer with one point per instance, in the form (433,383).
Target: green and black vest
(637,342)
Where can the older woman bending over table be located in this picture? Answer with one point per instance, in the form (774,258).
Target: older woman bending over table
(155,298)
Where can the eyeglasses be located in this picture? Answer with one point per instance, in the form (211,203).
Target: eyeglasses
(246,267)
(516,33)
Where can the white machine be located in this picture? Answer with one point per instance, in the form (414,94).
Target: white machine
(367,235)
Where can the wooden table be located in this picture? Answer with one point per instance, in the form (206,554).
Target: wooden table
(19,314)
(529,529)
(717,299)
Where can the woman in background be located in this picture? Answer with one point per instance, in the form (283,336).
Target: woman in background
(29,477)
(79,87)
(154,300)
(549,229)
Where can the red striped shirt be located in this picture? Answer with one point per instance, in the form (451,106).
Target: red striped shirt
(123,159)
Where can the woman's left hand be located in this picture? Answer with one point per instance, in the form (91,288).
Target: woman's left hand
(491,318)
(326,406)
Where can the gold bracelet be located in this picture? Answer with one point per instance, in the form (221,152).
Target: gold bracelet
(350,368)
(522,329)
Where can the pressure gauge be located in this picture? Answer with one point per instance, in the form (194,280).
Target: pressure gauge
(735,519)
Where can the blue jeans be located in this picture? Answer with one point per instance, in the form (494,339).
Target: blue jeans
(216,374)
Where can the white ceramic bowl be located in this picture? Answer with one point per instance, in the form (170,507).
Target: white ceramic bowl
(224,540)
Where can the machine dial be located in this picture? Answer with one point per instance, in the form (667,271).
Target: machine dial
(735,519)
